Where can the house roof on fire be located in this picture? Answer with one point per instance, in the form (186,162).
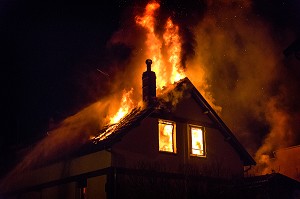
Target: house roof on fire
(111,134)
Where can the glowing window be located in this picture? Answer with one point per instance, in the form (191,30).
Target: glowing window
(197,141)
(167,136)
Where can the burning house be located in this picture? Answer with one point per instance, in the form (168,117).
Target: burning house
(159,148)
(173,144)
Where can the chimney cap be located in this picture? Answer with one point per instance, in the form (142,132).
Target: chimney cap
(148,62)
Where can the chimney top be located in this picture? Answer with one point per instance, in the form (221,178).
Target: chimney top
(149,84)
(148,62)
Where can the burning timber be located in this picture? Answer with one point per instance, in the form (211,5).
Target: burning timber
(128,122)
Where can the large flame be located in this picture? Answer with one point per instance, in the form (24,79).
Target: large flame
(125,106)
(153,43)
(165,49)
(173,44)
(166,64)
(165,52)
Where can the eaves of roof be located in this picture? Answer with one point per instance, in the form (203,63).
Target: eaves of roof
(228,135)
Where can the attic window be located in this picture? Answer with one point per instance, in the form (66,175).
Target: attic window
(167,136)
(197,141)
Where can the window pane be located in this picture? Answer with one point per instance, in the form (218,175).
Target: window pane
(197,141)
(166,136)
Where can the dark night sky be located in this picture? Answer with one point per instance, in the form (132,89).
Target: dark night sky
(48,50)
(51,50)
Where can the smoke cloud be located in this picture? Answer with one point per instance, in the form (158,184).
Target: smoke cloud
(247,76)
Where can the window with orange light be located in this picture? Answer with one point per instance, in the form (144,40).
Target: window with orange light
(197,141)
(167,136)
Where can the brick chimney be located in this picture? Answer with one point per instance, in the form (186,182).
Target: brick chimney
(149,84)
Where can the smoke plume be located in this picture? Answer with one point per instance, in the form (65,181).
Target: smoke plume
(246,72)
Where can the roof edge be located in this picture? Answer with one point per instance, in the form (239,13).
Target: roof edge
(229,136)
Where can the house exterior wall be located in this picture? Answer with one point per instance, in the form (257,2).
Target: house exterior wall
(61,180)
(139,148)
(220,155)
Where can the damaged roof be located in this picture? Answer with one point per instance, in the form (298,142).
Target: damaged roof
(113,133)
(131,120)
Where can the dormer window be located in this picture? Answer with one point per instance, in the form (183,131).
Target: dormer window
(197,143)
(167,136)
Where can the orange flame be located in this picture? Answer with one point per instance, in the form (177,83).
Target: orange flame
(163,48)
(126,105)
(167,68)
(153,43)
(173,44)
(165,51)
